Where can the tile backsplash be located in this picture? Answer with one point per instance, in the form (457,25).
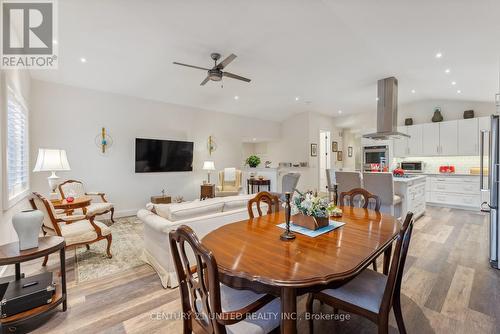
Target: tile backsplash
(431,164)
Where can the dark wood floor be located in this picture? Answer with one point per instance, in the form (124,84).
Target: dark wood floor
(448,287)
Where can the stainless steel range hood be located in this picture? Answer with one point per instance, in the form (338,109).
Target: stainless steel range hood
(387,111)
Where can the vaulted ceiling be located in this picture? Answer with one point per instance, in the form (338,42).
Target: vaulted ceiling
(328,54)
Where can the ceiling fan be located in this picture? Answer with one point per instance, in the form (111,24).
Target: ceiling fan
(215,73)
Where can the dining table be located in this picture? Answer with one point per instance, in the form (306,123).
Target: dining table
(250,255)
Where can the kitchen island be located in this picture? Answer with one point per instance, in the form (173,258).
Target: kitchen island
(411,188)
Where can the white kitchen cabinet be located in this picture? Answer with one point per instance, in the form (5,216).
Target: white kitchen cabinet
(415,145)
(412,191)
(448,138)
(468,139)
(401,144)
(430,139)
(456,191)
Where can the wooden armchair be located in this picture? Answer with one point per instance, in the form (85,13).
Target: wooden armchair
(76,230)
(209,306)
(74,188)
(272,201)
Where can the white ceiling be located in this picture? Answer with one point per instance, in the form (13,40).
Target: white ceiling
(330,52)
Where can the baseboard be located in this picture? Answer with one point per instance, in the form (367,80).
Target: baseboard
(126,213)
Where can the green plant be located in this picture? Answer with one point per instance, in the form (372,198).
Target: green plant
(253,161)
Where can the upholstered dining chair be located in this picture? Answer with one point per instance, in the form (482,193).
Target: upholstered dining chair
(382,184)
(229,182)
(347,180)
(74,188)
(360,197)
(209,306)
(272,202)
(331,183)
(372,294)
(77,230)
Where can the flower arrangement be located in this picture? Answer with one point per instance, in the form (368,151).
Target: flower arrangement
(253,161)
(311,205)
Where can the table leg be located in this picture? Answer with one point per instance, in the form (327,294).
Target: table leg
(18,271)
(288,311)
(62,259)
(258,188)
(248,187)
(269,186)
(387,259)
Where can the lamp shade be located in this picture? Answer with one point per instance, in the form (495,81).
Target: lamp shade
(208,165)
(49,160)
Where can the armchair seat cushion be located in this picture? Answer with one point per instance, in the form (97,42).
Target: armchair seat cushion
(97,208)
(80,231)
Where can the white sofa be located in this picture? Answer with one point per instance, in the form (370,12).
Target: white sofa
(202,216)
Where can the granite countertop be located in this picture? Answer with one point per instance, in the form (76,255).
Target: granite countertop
(409,179)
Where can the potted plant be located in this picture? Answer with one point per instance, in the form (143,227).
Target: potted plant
(311,211)
(253,161)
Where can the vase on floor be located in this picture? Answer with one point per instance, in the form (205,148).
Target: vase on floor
(27,225)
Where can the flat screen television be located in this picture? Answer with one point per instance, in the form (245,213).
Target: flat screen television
(153,155)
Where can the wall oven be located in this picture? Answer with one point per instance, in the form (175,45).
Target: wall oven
(375,155)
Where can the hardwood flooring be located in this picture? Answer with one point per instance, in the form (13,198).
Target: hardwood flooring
(448,287)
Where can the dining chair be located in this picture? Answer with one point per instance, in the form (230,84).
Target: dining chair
(382,185)
(272,202)
(331,184)
(347,180)
(209,306)
(361,197)
(372,294)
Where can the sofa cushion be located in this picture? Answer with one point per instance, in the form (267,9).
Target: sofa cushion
(236,202)
(193,209)
(162,210)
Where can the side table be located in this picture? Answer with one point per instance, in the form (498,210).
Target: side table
(207,191)
(10,254)
(161,199)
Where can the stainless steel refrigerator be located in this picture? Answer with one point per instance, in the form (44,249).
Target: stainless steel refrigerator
(490,141)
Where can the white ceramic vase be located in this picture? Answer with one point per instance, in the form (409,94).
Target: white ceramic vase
(27,225)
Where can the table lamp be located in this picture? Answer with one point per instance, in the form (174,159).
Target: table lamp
(208,166)
(50,160)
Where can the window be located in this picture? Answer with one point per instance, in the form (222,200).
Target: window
(17,148)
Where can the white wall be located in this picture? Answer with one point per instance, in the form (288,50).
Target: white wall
(20,81)
(70,118)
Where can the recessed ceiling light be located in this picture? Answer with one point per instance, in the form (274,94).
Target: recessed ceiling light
(254,139)
(54,41)
(447,71)
(236,97)
(459,91)
(413,91)
(340,111)
(377,99)
(83,60)
(439,55)
(297,98)
(453,83)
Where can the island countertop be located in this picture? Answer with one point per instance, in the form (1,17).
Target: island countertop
(409,179)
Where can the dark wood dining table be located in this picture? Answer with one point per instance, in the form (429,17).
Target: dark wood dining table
(250,255)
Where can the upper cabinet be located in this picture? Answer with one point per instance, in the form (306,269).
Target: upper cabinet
(468,139)
(448,138)
(415,145)
(401,144)
(430,139)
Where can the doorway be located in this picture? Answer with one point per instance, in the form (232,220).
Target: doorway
(324,159)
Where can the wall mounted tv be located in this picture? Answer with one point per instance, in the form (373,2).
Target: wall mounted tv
(153,155)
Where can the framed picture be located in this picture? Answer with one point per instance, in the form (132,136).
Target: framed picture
(314,150)
(339,155)
(335,146)
(349,151)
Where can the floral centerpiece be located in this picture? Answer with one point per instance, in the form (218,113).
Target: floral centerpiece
(311,211)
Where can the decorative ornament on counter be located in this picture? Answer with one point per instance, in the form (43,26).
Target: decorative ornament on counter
(104,141)
(437,117)
(27,225)
(408,121)
(70,199)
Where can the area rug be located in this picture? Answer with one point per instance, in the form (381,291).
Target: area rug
(126,248)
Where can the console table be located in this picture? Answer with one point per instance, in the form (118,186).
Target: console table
(252,182)
(10,254)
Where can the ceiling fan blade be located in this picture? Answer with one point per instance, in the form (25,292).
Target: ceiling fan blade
(234,76)
(226,61)
(198,67)
(207,79)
